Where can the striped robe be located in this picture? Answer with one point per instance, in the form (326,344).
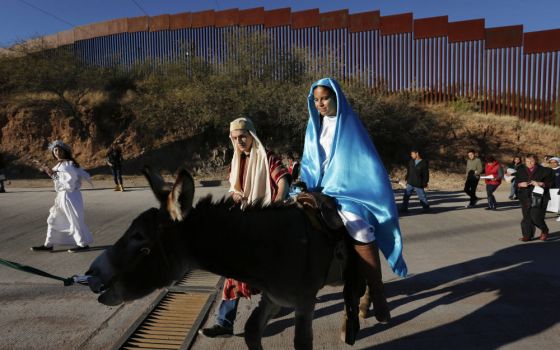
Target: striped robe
(234,289)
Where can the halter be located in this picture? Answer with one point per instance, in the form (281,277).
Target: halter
(144,251)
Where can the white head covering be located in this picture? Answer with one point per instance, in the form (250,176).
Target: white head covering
(60,144)
(256,182)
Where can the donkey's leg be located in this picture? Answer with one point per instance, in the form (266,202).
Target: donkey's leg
(365,302)
(254,328)
(303,339)
(354,287)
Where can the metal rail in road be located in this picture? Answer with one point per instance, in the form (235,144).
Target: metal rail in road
(172,321)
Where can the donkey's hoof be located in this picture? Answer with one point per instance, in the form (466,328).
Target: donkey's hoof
(365,302)
(343,330)
(364,308)
(382,314)
(381,308)
(363,313)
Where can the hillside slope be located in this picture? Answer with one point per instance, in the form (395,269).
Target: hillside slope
(395,124)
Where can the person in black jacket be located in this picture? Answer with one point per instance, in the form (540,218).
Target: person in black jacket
(417,178)
(2,174)
(115,160)
(532,178)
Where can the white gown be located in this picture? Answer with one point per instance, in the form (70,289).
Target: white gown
(357,227)
(66,224)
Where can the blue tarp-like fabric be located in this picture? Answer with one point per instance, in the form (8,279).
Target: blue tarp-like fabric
(354,174)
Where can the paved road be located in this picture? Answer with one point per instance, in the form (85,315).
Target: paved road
(471,284)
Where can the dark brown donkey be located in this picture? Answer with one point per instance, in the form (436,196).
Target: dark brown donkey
(274,249)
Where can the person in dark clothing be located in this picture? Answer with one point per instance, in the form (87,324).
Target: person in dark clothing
(115,160)
(2,174)
(293,166)
(515,166)
(533,182)
(474,169)
(417,178)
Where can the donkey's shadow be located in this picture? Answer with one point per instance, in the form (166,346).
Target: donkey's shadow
(280,325)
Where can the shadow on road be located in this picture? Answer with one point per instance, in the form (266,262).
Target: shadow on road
(93,248)
(524,278)
(522,282)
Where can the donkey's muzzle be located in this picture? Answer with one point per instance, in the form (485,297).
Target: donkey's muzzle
(96,284)
(100,273)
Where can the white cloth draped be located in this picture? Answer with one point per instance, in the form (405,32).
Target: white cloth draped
(66,225)
(256,184)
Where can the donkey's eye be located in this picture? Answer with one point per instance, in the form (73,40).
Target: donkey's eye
(138,236)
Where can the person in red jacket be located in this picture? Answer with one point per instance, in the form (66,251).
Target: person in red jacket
(493,169)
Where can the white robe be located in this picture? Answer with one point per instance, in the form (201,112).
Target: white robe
(357,227)
(66,224)
(554,203)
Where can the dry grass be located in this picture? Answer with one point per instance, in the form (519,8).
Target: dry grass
(496,135)
(95,98)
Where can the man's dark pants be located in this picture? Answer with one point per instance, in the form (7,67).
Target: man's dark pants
(490,189)
(117,175)
(533,217)
(470,188)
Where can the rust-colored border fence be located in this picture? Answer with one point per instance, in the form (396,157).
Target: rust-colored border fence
(503,70)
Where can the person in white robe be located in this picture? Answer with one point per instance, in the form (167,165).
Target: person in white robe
(66,225)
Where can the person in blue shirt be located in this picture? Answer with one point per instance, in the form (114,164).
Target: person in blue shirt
(340,160)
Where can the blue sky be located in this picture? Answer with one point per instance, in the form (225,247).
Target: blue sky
(19,20)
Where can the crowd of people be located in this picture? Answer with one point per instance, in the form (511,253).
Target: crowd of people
(536,186)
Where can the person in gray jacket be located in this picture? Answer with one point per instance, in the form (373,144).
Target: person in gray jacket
(474,169)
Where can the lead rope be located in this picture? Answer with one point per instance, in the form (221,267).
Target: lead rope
(29,269)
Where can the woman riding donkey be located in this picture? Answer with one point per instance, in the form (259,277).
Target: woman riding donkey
(340,160)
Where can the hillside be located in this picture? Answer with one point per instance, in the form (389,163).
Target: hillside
(444,133)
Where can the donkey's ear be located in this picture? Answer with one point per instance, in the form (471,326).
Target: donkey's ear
(157,184)
(180,199)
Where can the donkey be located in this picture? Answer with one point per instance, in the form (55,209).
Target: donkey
(275,249)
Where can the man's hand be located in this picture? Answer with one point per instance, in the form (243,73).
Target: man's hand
(522,184)
(237,197)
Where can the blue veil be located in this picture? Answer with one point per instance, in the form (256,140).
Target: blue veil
(354,174)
